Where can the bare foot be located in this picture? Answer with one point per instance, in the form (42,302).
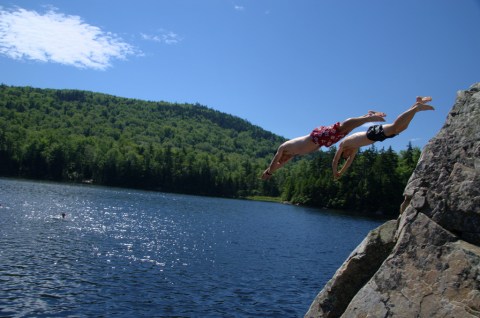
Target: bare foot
(424,100)
(375,116)
(375,113)
(421,103)
(421,107)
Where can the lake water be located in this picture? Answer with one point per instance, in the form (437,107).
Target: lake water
(128,253)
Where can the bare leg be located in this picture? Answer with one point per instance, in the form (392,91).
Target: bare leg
(402,121)
(350,124)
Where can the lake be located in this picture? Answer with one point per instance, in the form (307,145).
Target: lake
(129,253)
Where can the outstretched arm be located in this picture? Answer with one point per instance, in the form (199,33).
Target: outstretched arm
(289,149)
(338,154)
(347,164)
(351,155)
(278,161)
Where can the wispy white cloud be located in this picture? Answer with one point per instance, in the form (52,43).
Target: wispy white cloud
(58,38)
(163,36)
(239,8)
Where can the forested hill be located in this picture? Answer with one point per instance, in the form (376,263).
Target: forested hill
(79,135)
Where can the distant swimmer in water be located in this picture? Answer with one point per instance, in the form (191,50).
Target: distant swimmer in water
(348,148)
(63,215)
(320,136)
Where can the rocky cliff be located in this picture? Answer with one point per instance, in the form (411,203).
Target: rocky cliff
(427,262)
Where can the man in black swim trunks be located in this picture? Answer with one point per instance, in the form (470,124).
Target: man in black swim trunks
(348,148)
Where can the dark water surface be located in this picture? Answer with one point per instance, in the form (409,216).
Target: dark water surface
(128,253)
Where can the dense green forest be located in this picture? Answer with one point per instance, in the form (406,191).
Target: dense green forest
(81,136)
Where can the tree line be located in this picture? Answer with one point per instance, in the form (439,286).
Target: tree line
(81,136)
(374,183)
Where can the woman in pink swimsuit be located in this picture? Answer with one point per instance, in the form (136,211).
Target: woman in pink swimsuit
(321,136)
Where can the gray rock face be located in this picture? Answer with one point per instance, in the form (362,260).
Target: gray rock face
(445,184)
(357,270)
(430,273)
(428,265)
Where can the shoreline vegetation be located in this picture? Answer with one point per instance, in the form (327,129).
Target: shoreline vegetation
(265,199)
(93,138)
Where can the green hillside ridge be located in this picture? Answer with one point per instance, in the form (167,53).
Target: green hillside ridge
(74,135)
(78,135)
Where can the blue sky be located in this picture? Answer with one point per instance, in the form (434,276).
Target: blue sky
(286,66)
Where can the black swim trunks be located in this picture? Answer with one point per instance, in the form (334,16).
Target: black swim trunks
(376,133)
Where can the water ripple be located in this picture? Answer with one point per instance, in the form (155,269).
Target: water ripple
(123,253)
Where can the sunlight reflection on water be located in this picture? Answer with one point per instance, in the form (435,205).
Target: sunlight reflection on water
(124,253)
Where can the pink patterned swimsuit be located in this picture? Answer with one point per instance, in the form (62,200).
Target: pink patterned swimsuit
(326,135)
